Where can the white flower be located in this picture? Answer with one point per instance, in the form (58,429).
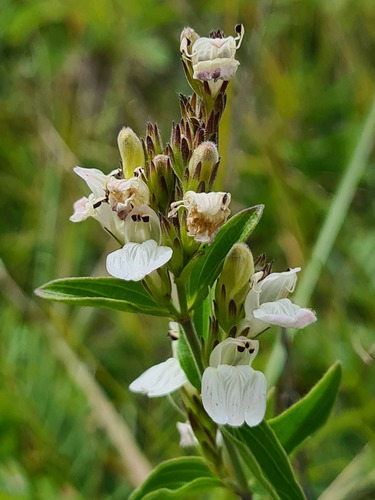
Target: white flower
(111,199)
(207,212)
(160,380)
(266,304)
(96,205)
(187,436)
(124,194)
(212,58)
(142,252)
(232,391)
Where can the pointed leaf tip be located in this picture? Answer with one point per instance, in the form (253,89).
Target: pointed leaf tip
(112,293)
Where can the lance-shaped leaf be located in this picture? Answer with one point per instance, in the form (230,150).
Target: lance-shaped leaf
(309,413)
(207,268)
(113,293)
(187,362)
(177,478)
(266,458)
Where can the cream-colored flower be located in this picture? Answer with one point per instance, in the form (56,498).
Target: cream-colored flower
(124,194)
(266,304)
(212,58)
(96,204)
(207,212)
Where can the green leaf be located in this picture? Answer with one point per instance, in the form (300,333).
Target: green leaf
(201,318)
(207,268)
(187,362)
(177,478)
(129,296)
(265,457)
(307,415)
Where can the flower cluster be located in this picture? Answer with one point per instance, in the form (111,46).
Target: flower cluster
(160,208)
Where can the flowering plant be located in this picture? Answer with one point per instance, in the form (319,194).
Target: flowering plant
(183,256)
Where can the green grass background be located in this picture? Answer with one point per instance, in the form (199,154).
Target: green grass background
(72,73)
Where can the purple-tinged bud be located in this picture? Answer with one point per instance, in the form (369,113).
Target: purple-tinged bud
(202,167)
(161,182)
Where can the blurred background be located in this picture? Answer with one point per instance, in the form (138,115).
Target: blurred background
(72,73)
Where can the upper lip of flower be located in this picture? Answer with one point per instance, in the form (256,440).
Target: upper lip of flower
(266,304)
(207,212)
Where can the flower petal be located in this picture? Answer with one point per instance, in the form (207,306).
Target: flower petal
(284,313)
(235,378)
(94,178)
(134,261)
(234,394)
(276,286)
(218,69)
(160,380)
(83,209)
(213,395)
(254,398)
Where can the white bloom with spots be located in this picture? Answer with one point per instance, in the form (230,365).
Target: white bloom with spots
(232,391)
(142,253)
(212,58)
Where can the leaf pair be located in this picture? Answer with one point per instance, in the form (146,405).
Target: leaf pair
(263,450)
(130,296)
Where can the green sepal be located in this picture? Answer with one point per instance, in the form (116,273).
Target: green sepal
(177,478)
(112,293)
(309,413)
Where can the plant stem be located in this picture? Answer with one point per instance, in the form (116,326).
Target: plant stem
(244,492)
(193,342)
(191,336)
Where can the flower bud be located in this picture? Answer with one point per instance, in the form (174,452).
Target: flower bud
(202,169)
(161,182)
(233,286)
(171,238)
(159,285)
(153,140)
(131,151)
